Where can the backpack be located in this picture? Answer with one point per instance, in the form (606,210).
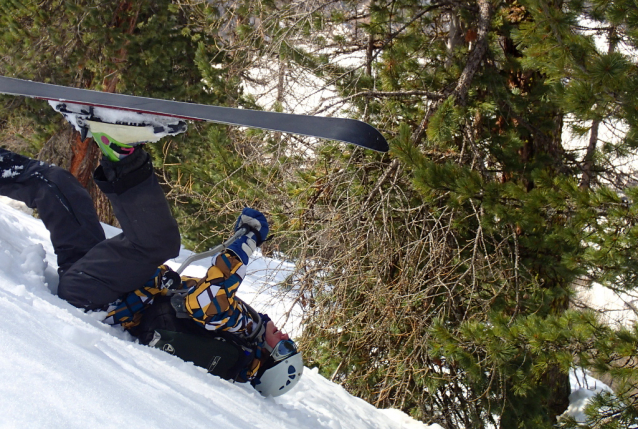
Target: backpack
(220,353)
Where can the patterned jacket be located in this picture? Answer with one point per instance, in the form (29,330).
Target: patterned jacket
(210,300)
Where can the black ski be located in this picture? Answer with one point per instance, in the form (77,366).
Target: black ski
(344,130)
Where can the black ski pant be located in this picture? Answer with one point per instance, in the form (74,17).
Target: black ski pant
(95,271)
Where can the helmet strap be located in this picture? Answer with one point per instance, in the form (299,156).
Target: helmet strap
(267,347)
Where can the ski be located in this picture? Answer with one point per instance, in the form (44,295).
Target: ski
(344,130)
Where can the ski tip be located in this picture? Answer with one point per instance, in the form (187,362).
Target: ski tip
(364,135)
(380,144)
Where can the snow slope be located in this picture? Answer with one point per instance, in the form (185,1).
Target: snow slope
(62,368)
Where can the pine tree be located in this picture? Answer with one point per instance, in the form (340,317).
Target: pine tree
(438,278)
(149,48)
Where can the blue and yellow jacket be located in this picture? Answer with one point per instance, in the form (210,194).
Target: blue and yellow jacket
(210,300)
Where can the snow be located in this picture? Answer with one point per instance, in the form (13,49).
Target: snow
(584,388)
(63,368)
(616,309)
(10,172)
(73,111)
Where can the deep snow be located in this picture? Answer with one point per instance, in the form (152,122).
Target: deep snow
(62,368)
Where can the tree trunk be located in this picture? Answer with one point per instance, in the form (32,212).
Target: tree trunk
(558,394)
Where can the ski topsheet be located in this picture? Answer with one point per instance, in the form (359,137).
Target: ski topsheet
(344,130)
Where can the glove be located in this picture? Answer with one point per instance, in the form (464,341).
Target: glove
(256,222)
(169,279)
(257,225)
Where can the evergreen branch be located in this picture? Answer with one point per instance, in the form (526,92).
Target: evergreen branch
(559,38)
(588,164)
(398,94)
(383,94)
(541,137)
(477,54)
(390,37)
(379,46)
(386,174)
(463,84)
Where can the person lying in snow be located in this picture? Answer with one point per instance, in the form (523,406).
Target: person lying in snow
(199,320)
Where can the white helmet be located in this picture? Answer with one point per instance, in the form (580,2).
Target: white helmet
(282,377)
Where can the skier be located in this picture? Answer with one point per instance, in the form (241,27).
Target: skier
(199,320)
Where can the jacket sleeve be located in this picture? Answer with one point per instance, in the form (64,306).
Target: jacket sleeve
(212,302)
(127,311)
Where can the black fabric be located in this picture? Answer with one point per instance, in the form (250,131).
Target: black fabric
(65,207)
(219,354)
(161,315)
(123,263)
(118,177)
(95,271)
